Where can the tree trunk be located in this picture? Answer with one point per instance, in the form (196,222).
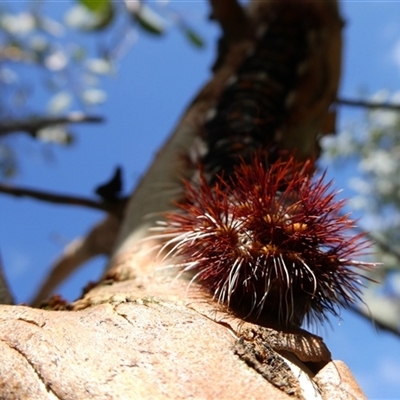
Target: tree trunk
(140,333)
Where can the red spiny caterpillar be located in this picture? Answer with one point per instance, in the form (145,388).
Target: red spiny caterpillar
(262,235)
(269,243)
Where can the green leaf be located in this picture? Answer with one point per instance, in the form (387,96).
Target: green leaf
(148,19)
(99,66)
(59,102)
(192,36)
(105,20)
(93,96)
(55,134)
(82,18)
(96,6)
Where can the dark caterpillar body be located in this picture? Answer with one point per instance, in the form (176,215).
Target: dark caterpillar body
(253,107)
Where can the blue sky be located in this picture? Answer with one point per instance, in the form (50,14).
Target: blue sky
(146,98)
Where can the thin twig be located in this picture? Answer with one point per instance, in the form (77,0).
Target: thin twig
(33,125)
(5,292)
(367,104)
(62,199)
(390,250)
(387,248)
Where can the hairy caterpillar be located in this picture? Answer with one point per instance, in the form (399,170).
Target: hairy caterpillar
(254,228)
(270,243)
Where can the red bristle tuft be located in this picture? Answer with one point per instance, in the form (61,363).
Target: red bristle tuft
(269,243)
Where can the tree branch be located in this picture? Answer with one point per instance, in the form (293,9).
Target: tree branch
(33,125)
(367,104)
(232,18)
(114,208)
(387,248)
(98,241)
(5,293)
(390,250)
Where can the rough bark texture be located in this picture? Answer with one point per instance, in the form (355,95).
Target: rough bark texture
(120,341)
(140,334)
